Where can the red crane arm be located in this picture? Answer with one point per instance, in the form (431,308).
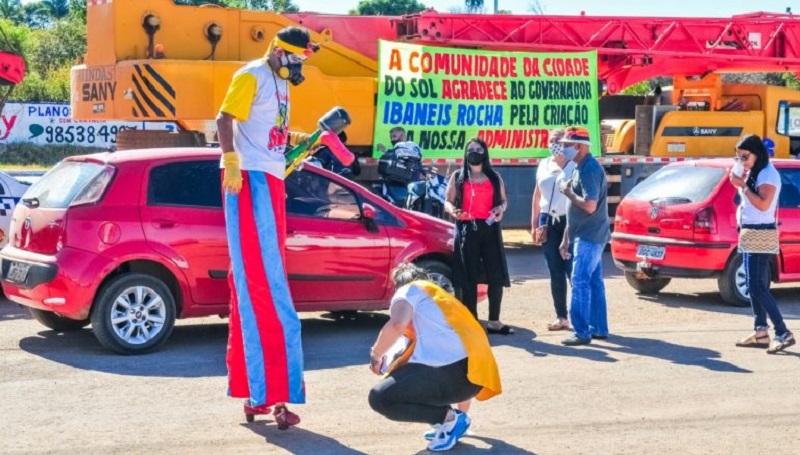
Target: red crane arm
(630,49)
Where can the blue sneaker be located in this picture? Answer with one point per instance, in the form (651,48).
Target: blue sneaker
(430,434)
(449,433)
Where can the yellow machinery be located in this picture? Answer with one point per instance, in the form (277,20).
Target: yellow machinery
(706,118)
(152,60)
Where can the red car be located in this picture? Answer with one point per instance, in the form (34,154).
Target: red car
(681,223)
(130,241)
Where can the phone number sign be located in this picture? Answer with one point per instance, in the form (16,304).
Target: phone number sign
(44,124)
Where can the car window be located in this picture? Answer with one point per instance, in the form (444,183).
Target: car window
(678,184)
(790,188)
(58,188)
(186,183)
(309,194)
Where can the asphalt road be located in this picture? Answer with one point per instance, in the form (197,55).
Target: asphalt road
(668,380)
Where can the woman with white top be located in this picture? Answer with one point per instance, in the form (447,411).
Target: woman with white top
(759,185)
(550,209)
(448,359)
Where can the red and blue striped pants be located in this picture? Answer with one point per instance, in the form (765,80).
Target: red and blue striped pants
(265,352)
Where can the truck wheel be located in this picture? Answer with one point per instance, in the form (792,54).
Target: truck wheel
(58,323)
(732,283)
(646,286)
(439,273)
(134,313)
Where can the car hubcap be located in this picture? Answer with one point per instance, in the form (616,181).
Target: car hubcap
(741,282)
(138,315)
(442,281)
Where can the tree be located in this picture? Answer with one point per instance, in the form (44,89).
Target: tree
(77,9)
(473,6)
(56,9)
(51,49)
(11,10)
(387,7)
(36,15)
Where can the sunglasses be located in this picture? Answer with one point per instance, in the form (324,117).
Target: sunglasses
(475,150)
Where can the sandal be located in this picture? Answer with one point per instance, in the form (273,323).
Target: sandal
(755,340)
(560,324)
(504,330)
(781,342)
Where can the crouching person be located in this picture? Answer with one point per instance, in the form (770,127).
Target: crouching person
(447,360)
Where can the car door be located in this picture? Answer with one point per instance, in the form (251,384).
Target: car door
(789,219)
(183,219)
(331,255)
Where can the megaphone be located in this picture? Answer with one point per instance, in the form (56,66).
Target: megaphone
(329,126)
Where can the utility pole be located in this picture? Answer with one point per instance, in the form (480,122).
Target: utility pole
(495,6)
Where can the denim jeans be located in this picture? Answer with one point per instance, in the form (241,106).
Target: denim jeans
(588,308)
(559,267)
(756,268)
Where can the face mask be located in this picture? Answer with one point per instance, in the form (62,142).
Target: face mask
(474,158)
(569,152)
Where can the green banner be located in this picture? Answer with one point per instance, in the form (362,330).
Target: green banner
(443,97)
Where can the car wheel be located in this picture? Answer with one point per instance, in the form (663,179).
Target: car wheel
(58,323)
(732,283)
(439,273)
(645,285)
(134,313)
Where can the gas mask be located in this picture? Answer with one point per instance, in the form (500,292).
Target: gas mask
(474,158)
(291,69)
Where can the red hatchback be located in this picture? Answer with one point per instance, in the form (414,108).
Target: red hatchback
(130,241)
(681,223)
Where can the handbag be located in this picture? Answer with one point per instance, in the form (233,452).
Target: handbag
(760,241)
(540,233)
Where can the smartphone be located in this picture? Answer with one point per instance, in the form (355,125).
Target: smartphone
(490,221)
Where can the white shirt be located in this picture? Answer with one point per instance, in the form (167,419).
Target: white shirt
(547,174)
(748,213)
(259,103)
(437,343)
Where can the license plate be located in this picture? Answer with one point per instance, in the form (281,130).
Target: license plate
(18,272)
(651,252)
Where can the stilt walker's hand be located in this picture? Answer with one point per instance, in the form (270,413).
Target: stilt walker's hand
(232,182)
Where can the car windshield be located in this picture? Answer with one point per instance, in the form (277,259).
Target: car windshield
(57,188)
(678,185)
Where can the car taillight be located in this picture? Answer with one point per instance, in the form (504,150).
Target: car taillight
(94,191)
(705,222)
(618,218)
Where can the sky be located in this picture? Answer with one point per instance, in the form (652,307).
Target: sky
(680,8)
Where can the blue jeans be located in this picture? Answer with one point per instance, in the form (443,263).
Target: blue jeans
(560,268)
(588,309)
(756,268)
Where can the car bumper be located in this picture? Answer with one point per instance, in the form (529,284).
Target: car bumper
(63,283)
(682,259)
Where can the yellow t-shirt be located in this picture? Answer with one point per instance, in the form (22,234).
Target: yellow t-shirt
(258,100)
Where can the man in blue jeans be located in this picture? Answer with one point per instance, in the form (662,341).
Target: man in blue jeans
(588,232)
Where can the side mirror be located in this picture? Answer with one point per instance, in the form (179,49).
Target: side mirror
(368,212)
(368,217)
(788,119)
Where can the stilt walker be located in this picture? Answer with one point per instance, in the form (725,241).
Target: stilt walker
(265,353)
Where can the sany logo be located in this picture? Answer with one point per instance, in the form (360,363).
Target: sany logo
(277,137)
(8,124)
